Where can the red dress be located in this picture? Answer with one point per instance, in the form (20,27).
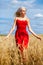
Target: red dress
(21,35)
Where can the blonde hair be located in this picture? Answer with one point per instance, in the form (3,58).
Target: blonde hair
(18,12)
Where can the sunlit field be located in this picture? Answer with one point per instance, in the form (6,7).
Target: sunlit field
(9,52)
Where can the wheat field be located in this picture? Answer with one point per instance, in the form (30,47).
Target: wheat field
(9,52)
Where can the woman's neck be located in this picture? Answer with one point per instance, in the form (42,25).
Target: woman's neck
(21,18)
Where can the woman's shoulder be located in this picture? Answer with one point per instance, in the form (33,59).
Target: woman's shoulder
(15,18)
(28,20)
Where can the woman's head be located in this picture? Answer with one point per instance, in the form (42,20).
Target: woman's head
(21,12)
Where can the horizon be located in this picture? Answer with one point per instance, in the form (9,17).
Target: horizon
(34,13)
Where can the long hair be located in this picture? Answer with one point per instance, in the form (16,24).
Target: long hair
(18,12)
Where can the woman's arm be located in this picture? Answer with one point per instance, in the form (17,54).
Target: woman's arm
(13,27)
(30,29)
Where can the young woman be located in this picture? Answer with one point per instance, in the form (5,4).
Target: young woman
(21,35)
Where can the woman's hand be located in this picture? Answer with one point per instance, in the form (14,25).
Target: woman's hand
(6,38)
(39,38)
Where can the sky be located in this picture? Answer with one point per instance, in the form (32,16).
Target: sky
(8,7)
(34,9)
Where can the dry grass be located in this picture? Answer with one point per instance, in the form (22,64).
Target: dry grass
(9,52)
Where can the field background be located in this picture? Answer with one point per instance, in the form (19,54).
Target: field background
(9,52)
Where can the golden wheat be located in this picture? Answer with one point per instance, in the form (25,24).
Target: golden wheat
(9,52)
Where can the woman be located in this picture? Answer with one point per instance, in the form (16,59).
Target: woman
(21,35)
